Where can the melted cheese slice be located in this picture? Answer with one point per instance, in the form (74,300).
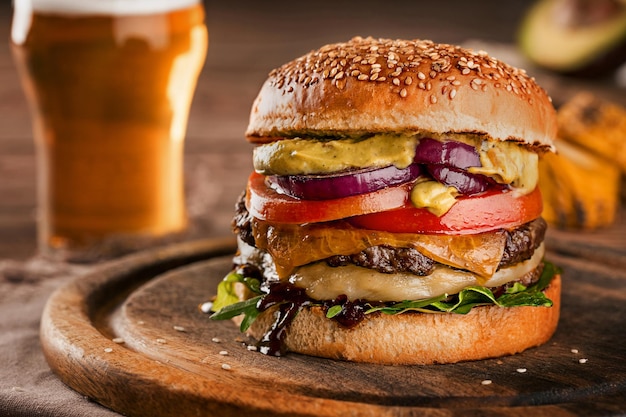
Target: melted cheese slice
(323,282)
(292,246)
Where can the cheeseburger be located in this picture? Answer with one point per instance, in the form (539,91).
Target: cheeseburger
(393,214)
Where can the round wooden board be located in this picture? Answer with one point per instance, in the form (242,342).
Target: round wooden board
(175,361)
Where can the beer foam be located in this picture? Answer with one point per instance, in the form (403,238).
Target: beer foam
(111,7)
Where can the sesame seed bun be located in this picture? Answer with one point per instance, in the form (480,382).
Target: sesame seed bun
(368,85)
(421,338)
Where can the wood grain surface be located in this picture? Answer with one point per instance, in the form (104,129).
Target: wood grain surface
(175,361)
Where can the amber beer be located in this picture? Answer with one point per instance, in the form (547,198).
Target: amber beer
(110,90)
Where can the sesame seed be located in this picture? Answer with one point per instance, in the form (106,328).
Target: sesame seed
(486,382)
(216,340)
(582,360)
(208,306)
(396,81)
(118,340)
(161,341)
(226,367)
(422,85)
(108,350)
(452,93)
(388,58)
(403,93)
(521,370)
(433,99)
(574,351)
(251,348)
(223,352)
(179,328)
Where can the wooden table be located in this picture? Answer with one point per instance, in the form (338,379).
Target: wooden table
(248,39)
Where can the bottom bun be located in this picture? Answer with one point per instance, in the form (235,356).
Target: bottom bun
(421,338)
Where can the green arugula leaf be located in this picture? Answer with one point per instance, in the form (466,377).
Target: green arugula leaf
(534,299)
(549,271)
(247,307)
(333,311)
(515,288)
(406,305)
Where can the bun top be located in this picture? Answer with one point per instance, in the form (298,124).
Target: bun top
(366,86)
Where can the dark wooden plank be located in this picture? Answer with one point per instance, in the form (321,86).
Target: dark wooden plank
(579,372)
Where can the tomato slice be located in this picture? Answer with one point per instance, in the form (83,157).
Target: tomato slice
(390,210)
(477,214)
(266,204)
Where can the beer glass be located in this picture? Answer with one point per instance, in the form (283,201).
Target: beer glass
(109,84)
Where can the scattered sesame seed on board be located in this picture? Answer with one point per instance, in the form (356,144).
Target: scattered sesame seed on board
(216,340)
(486,382)
(582,360)
(521,370)
(206,307)
(226,367)
(108,350)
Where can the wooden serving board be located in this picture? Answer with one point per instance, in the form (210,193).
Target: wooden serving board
(174,361)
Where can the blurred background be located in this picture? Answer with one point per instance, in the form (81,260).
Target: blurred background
(246,40)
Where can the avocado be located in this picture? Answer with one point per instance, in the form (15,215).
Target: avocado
(575,37)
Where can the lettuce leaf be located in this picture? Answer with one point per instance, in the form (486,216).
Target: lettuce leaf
(227,305)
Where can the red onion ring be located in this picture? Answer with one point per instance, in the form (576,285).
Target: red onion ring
(465,182)
(345,184)
(450,153)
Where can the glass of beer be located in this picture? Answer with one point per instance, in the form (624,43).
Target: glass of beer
(109,84)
